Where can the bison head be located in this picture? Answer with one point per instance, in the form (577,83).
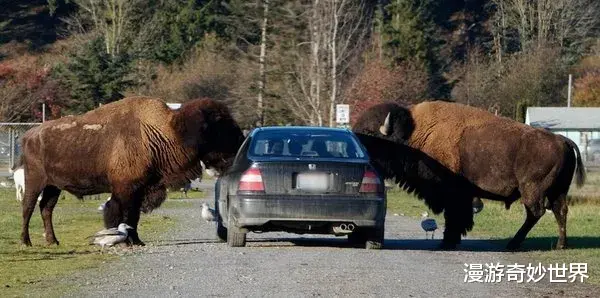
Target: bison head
(208,126)
(390,121)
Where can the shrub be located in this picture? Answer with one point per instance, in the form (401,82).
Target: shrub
(406,82)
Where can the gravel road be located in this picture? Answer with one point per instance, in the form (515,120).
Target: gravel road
(189,262)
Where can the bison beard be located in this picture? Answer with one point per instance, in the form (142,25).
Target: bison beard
(133,148)
(449,153)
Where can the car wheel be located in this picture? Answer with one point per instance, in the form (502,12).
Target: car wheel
(375,239)
(235,238)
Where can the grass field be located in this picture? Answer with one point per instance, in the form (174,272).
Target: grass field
(192,194)
(498,224)
(35,270)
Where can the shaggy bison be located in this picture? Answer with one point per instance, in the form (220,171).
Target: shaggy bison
(133,148)
(449,153)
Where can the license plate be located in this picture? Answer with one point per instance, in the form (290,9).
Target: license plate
(312,181)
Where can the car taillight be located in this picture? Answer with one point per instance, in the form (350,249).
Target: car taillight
(370,182)
(251,180)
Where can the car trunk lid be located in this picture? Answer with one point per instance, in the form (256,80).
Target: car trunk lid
(310,177)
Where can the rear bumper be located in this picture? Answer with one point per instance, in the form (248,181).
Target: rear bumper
(258,210)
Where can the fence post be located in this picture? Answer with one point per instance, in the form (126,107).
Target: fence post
(11,136)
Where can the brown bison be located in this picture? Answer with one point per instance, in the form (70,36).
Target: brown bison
(133,148)
(449,153)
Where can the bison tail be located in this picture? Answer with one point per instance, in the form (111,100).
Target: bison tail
(580,171)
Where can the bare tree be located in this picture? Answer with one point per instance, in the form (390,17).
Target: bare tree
(566,23)
(110,18)
(337,33)
(350,26)
(263,53)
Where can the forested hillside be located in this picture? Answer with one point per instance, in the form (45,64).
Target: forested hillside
(290,62)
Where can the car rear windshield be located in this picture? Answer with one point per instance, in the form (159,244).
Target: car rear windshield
(332,144)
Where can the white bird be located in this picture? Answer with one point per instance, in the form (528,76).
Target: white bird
(208,214)
(428,224)
(112,236)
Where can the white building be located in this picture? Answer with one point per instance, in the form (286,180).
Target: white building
(578,124)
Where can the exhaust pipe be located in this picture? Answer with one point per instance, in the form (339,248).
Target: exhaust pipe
(343,228)
(351,227)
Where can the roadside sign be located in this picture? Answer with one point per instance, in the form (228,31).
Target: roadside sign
(342,113)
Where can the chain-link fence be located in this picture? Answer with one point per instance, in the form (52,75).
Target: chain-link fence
(10,145)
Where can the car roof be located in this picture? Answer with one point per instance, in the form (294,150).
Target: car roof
(299,129)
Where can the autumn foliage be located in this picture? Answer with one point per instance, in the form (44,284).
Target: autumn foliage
(25,84)
(406,82)
(587,90)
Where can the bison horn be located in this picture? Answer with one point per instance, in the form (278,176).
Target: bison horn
(385,128)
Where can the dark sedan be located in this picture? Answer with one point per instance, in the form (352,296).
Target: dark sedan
(312,180)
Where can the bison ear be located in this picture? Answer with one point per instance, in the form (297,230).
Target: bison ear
(386,128)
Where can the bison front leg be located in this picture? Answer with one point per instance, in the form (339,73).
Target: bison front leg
(132,219)
(123,209)
(131,216)
(113,213)
(458,215)
(49,199)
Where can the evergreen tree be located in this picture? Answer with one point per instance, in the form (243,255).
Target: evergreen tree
(405,30)
(411,34)
(94,77)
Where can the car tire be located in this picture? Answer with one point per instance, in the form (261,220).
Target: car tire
(235,238)
(375,239)
(367,238)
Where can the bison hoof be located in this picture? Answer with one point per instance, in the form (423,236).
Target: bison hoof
(561,245)
(52,242)
(25,242)
(137,242)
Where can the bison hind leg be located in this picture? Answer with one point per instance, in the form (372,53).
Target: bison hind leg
(560,210)
(534,208)
(49,199)
(32,191)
